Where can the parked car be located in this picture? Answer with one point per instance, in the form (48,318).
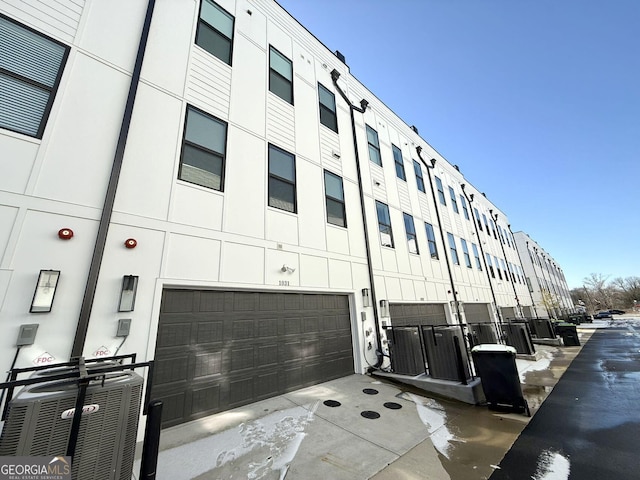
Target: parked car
(617,312)
(603,314)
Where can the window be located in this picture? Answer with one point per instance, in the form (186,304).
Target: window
(431,240)
(454,250)
(501,234)
(282,179)
(498,267)
(443,201)
(486,224)
(465,253)
(280,75)
(410,228)
(490,265)
(477,215)
(203,150)
(493,229)
(474,247)
(30,69)
(328,116)
(384,225)
(397,158)
(465,210)
(374,146)
(215,31)
(454,201)
(504,269)
(419,179)
(336,213)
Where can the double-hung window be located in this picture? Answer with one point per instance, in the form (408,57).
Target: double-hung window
(443,201)
(384,225)
(280,75)
(493,229)
(30,69)
(498,267)
(504,269)
(453,249)
(486,223)
(465,253)
(328,116)
(397,158)
(282,179)
(334,193)
(454,200)
(477,215)
(215,31)
(410,228)
(203,150)
(490,265)
(431,240)
(419,179)
(374,146)
(474,247)
(465,210)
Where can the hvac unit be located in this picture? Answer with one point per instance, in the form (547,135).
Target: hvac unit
(405,349)
(541,328)
(39,420)
(446,353)
(517,336)
(482,333)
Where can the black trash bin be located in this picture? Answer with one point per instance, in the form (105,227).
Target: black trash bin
(569,334)
(496,367)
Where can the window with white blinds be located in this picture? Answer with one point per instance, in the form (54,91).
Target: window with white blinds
(30,68)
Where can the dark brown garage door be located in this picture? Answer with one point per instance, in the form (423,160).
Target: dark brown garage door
(404,314)
(219,350)
(477,312)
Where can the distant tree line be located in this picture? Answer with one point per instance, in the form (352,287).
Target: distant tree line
(600,293)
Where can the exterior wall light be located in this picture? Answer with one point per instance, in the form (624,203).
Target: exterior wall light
(366,300)
(384,308)
(128,293)
(45,291)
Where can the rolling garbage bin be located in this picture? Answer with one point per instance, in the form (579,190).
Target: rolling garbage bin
(569,334)
(496,367)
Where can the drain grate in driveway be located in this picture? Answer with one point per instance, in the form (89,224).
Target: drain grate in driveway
(332,403)
(393,405)
(370,414)
(370,391)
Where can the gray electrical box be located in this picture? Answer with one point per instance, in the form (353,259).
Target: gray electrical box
(27,334)
(124,325)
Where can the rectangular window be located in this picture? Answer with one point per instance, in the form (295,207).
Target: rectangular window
(328,116)
(31,66)
(374,146)
(334,193)
(454,200)
(465,210)
(280,75)
(501,234)
(490,265)
(409,227)
(397,158)
(477,215)
(384,225)
(465,253)
(474,247)
(419,179)
(493,229)
(282,179)
(498,267)
(504,269)
(215,31)
(203,150)
(486,223)
(431,240)
(454,250)
(443,201)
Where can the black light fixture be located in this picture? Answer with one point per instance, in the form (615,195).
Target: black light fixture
(45,291)
(128,293)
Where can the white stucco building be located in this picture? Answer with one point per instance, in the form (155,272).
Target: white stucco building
(225,171)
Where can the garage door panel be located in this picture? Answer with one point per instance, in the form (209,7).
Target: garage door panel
(207,364)
(291,326)
(205,399)
(171,370)
(209,332)
(244,301)
(267,355)
(172,407)
(211,301)
(241,391)
(174,334)
(242,358)
(243,329)
(175,301)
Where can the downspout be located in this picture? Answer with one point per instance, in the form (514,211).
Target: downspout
(363,106)
(504,254)
(444,244)
(521,264)
(484,257)
(107,209)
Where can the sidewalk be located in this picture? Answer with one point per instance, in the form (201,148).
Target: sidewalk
(320,432)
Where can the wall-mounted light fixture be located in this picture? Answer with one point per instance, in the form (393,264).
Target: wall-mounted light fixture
(287,269)
(366,300)
(128,293)
(384,308)
(45,291)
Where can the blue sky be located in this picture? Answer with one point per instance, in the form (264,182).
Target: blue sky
(538,102)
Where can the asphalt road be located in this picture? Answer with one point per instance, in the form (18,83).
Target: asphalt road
(589,426)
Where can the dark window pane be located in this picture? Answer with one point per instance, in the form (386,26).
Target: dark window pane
(374,155)
(328,118)
(214,42)
(335,213)
(280,86)
(200,167)
(281,195)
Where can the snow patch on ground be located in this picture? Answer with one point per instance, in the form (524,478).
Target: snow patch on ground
(525,366)
(552,466)
(275,439)
(433,415)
